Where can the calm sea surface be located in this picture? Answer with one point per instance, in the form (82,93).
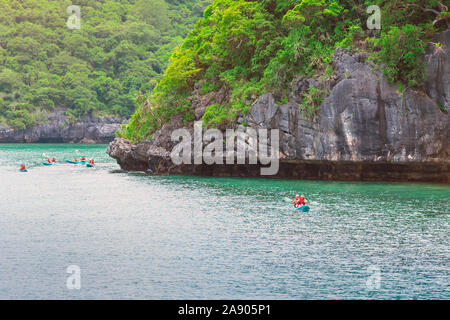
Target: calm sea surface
(138,236)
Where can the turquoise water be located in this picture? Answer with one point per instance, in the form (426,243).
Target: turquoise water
(137,236)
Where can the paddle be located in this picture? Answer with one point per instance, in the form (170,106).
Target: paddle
(76,155)
(78,151)
(46,156)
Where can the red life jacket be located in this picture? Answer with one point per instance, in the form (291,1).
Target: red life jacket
(53,160)
(22,168)
(301,201)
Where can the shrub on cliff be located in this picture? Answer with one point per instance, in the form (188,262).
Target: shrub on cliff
(20,119)
(401,50)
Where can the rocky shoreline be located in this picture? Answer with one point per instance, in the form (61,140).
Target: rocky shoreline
(56,129)
(142,157)
(365,129)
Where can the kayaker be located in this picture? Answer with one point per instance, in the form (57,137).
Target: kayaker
(296,201)
(92,161)
(83,159)
(302,200)
(54,160)
(22,168)
(299,201)
(48,160)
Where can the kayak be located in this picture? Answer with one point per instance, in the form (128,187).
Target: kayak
(75,162)
(25,170)
(302,208)
(47,163)
(90,165)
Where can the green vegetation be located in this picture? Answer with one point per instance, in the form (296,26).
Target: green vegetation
(121,49)
(216,115)
(401,49)
(311,101)
(252,47)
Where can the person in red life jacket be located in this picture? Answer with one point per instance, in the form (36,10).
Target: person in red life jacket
(83,159)
(299,201)
(302,200)
(48,160)
(296,201)
(92,161)
(22,168)
(54,160)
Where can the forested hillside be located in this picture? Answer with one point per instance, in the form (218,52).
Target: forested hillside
(250,47)
(121,49)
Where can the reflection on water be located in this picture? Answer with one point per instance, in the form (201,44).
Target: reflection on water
(140,236)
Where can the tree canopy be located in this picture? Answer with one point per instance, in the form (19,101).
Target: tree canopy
(120,50)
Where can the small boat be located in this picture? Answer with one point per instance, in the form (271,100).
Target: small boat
(302,208)
(24,170)
(75,162)
(47,163)
(90,165)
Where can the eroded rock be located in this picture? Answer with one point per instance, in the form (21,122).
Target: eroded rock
(363,130)
(57,129)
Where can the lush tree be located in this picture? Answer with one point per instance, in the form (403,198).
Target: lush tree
(121,49)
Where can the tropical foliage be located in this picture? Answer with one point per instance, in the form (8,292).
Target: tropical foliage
(252,47)
(121,49)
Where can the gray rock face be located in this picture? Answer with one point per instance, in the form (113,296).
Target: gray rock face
(363,119)
(199,101)
(264,109)
(56,129)
(438,70)
(364,130)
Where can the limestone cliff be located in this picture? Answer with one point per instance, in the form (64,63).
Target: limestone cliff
(58,129)
(365,129)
